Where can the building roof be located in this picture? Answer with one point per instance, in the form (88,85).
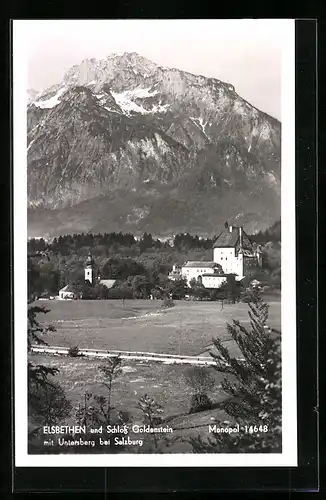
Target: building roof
(192,263)
(107,283)
(231,239)
(247,253)
(66,288)
(214,275)
(226,239)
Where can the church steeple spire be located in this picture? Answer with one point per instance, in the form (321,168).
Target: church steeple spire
(90,269)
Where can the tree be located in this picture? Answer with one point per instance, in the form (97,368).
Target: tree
(193,283)
(146,242)
(200,382)
(37,374)
(140,286)
(81,288)
(121,269)
(100,291)
(110,370)
(177,288)
(231,289)
(47,402)
(151,414)
(95,411)
(228,290)
(276,278)
(200,292)
(254,385)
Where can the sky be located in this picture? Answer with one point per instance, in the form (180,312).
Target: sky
(244,53)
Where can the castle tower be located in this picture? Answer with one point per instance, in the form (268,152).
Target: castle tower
(90,269)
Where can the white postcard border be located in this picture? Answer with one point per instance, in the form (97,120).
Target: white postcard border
(286,30)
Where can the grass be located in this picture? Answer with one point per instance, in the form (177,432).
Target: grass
(143,325)
(186,328)
(165,383)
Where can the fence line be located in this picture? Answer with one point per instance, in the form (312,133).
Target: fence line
(139,356)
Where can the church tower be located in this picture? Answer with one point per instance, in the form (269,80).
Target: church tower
(90,269)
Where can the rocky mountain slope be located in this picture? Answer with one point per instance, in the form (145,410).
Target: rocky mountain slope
(124,144)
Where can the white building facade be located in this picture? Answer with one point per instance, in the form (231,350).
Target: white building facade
(90,269)
(234,251)
(213,280)
(66,293)
(195,269)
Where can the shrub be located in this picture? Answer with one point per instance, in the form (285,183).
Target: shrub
(168,302)
(200,402)
(74,351)
(200,382)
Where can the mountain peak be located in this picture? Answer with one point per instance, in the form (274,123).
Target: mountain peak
(150,146)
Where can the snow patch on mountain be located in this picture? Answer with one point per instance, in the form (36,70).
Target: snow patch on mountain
(161,144)
(159,108)
(238,107)
(265,131)
(148,148)
(213,181)
(199,122)
(272,178)
(52,101)
(140,92)
(127,104)
(30,144)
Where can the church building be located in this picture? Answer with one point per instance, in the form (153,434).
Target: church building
(90,269)
(92,276)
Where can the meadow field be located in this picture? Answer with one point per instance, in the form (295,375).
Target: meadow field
(165,383)
(187,328)
(144,325)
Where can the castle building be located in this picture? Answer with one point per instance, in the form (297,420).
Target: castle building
(195,269)
(209,274)
(234,251)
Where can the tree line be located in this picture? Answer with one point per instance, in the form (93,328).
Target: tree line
(73,242)
(140,267)
(133,280)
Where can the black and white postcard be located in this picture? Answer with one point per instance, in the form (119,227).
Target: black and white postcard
(154,243)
